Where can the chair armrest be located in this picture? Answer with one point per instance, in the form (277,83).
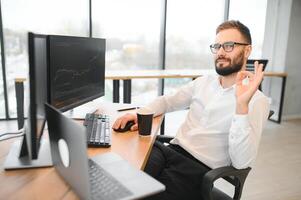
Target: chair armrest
(164,138)
(235,176)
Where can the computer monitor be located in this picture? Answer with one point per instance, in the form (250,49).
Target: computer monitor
(76,70)
(32,152)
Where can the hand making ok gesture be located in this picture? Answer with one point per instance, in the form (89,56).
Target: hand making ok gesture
(246,89)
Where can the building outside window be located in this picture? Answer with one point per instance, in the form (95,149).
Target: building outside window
(132,31)
(2,104)
(252,14)
(190,30)
(45,17)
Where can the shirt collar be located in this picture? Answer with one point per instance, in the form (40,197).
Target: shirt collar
(218,84)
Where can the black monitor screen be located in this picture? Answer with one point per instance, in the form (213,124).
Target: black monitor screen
(76,70)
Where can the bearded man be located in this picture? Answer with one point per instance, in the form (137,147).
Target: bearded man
(224,123)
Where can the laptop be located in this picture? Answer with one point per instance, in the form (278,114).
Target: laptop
(106,176)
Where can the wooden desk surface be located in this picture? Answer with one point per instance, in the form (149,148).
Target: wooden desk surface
(169,73)
(45,183)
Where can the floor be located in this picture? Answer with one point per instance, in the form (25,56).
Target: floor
(277,173)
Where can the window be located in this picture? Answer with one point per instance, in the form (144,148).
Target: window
(190,29)
(66,17)
(2,104)
(252,14)
(132,31)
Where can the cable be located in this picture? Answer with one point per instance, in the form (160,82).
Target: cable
(12,133)
(14,136)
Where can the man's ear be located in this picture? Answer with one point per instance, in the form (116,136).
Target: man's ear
(248,50)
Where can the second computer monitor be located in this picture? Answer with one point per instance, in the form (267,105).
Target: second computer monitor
(76,70)
(33,151)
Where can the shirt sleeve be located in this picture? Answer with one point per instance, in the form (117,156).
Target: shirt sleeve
(181,99)
(245,133)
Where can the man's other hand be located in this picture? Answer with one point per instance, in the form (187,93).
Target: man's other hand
(121,121)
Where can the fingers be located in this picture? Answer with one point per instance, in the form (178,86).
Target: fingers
(121,121)
(242,75)
(246,78)
(258,68)
(258,74)
(256,63)
(134,127)
(117,123)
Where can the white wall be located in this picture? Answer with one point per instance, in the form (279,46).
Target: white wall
(293,63)
(282,46)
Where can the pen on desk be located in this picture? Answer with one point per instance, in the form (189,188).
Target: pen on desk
(125,109)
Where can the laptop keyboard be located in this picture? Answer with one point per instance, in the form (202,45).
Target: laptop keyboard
(104,186)
(98,130)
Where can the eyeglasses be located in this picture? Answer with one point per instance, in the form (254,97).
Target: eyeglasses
(227,46)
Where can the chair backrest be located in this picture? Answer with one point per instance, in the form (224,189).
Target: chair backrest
(250,63)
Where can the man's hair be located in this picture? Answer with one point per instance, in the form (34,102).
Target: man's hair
(233,24)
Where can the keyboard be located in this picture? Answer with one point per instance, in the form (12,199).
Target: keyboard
(103,185)
(98,130)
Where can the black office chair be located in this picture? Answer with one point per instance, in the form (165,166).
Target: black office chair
(234,176)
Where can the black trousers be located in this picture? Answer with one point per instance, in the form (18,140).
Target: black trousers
(180,172)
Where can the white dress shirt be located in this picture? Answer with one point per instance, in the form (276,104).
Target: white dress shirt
(212,132)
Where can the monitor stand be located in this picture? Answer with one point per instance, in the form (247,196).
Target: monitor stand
(14,161)
(81,111)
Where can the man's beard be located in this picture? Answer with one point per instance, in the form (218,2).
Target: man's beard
(233,67)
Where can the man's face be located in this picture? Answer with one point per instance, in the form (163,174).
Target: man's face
(227,63)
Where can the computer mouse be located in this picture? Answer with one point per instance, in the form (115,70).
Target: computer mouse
(127,127)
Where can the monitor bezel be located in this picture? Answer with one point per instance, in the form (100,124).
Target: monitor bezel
(33,138)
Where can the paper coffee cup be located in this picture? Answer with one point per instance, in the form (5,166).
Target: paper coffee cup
(145,121)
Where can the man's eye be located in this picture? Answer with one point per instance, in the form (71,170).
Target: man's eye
(228,46)
(216,46)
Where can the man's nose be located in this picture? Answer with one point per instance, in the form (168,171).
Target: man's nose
(220,52)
